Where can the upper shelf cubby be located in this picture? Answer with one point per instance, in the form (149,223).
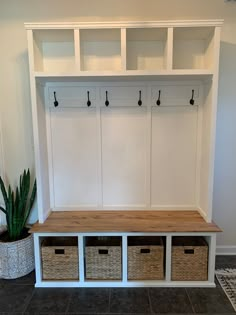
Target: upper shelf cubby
(146,48)
(124,49)
(100,49)
(54,50)
(193,48)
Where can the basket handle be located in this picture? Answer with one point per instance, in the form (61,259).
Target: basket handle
(144,251)
(59,251)
(103,251)
(189,251)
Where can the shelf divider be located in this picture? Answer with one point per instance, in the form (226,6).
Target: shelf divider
(169,59)
(77,49)
(123,50)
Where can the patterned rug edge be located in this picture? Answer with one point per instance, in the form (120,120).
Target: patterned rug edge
(224,276)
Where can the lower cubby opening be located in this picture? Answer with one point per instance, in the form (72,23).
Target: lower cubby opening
(189,261)
(103,258)
(60,259)
(146,258)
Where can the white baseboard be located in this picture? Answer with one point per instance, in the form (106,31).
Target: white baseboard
(226,250)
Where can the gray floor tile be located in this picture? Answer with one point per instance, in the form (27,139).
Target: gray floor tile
(15,298)
(210,301)
(51,300)
(89,300)
(43,313)
(129,300)
(225,261)
(26,280)
(170,300)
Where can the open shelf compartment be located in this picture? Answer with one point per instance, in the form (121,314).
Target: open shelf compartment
(147,48)
(100,49)
(193,48)
(54,51)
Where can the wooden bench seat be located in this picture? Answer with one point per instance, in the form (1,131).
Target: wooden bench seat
(124,221)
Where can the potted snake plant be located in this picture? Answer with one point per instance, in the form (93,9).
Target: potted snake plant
(16,244)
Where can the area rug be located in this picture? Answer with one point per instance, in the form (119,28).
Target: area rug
(227,280)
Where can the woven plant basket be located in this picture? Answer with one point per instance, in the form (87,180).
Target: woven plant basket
(60,259)
(103,258)
(145,258)
(16,258)
(189,259)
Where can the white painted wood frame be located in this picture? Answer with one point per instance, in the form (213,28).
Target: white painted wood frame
(124,156)
(124,282)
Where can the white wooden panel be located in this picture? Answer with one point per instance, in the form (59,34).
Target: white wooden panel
(74,151)
(169,49)
(123,49)
(124,156)
(173,165)
(41,151)
(77,49)
(38,57)
(123,95)
(72,96)
(207,157)
(175,95)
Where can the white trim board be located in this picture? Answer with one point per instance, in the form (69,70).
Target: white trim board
(122,24)
(226,250)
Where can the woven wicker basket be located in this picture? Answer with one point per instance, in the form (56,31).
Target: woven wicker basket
(145,258)
(103,258)
(60,258)
(189,259)
(16,258)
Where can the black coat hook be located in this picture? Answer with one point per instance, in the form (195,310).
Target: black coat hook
(55,99)
(191,102)
(106,102)
(159,98)
(88,102)
(140,98)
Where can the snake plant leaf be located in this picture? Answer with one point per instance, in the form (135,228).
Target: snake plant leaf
(31,202)
(25,186)
(3,190)
(3,210)
(10,210)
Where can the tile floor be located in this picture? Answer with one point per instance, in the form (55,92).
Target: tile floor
(20,297)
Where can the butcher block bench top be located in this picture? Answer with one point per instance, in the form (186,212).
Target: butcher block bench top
(124,221)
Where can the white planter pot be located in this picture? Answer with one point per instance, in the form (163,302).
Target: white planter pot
(16,258)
